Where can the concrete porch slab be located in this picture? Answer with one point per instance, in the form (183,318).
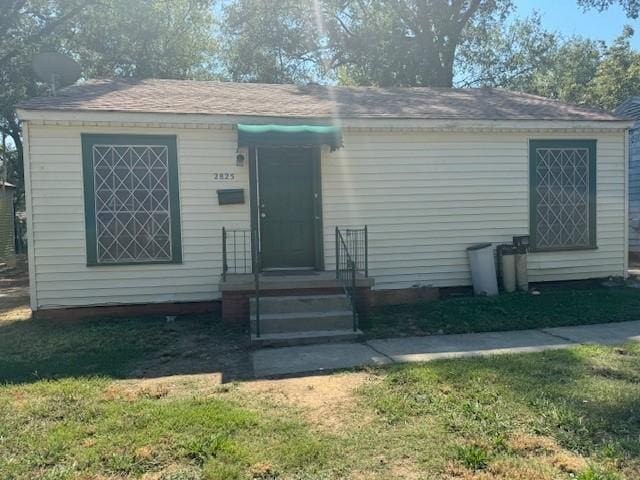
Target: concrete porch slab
(314,358)
(238,282)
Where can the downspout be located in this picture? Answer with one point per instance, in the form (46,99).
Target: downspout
(26,157)
(626,203)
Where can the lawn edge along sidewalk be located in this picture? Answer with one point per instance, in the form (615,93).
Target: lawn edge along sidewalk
(319,358)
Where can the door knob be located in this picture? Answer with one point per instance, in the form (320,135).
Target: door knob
(263,215)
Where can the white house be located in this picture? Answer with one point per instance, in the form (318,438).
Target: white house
(130,183)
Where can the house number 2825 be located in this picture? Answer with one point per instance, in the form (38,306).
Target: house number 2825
(224,176)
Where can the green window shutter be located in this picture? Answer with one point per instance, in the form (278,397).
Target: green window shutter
(562,176)
(132,200)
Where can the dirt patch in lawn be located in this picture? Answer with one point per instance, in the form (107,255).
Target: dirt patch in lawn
(528,445)
(15,313)
(223,354)
(531,456)
(405,470)
(502,469)
(173,387)
(14,292)
(329,402)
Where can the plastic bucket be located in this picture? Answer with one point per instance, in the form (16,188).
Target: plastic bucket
(507,264)
(522,269)
(483,269)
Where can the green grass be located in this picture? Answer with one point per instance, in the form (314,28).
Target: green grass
(554,415)
(569,414)
(586,400)
(517,311)
(39,349)
(63,428)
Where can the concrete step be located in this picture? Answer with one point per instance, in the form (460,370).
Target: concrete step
(300,304)
(303,321)
(305,338)
(316,280)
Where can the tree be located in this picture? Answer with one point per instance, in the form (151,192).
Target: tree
(563,72)
(405,42)
(143,39)
(379,42)
(580,71)
(27,26)
(271,42)
(631,7)
(163,38)
(28,22)
(498,55)
(617,76)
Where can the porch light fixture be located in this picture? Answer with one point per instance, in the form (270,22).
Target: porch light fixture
(241,156)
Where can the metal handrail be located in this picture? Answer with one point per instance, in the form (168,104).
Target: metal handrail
(255,250)
(241,254)
(236,251)
(349,261)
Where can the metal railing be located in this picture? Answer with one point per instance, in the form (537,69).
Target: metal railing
(255,250)
(352,252)
(241,254)
(236,251)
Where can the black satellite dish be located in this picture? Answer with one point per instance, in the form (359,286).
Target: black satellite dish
(56,69)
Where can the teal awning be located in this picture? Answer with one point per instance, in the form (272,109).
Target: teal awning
(288,135)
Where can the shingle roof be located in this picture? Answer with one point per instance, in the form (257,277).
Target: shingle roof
(630,108)
(253,99)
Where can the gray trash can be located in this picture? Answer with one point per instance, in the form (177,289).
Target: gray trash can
(483,269)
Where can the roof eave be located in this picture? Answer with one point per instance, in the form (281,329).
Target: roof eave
(69,116)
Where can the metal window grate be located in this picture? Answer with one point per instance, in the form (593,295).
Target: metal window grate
(132,203)
(562,197)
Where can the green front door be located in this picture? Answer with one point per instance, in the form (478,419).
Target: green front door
(286,194)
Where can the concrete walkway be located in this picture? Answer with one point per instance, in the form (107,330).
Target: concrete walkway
(315,358)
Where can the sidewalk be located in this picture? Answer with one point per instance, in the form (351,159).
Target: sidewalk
(316,358)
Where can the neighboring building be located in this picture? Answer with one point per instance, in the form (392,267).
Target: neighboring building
(129,186)
(631,109)
(7,223)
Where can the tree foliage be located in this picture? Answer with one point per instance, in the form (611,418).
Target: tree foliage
(585,72)
(110,38)
(405,42)
(360,42)
(143,39)
(271,42)
(366,42)
(631,7)
(617,76)
(495,54)
(566,74)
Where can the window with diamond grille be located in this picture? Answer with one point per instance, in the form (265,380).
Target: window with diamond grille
(563,192)
(131,199)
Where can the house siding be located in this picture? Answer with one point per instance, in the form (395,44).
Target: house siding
(428,196)
(424,196)
(61,273)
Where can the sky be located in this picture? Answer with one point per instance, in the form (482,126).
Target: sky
(566,17)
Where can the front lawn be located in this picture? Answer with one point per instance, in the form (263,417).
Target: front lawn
(32,350)
(517,311)
(554,415)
